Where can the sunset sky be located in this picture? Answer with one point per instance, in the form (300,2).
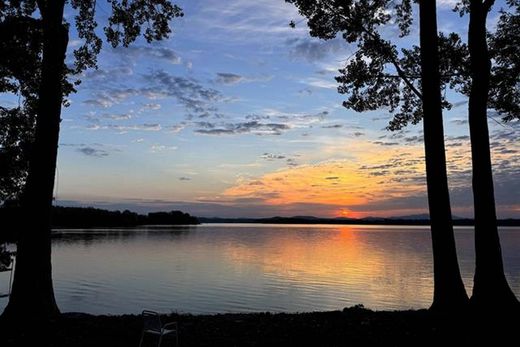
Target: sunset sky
(237,115)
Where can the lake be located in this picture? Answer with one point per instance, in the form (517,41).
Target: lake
(216,268)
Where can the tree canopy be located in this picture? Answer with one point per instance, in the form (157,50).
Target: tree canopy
(21,41)
(379,74)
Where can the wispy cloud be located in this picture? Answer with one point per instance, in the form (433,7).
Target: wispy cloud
(271,156)
(96,150)
(157,148)
(244,20)
(92,152)
(253,127)
(326,83)
(151,51)
(227,78)
(110,96)
(315,50)
(109,74)
(189,92)
(126,128)
(270,122)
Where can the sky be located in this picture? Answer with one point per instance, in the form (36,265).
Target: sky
(237,115)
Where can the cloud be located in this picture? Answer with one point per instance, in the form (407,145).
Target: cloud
(184,179)
(447,3)
(414,139)
(117,116)
(150,51)
(295,119)
(271,156)
(188,91)
(257,117)
(305,92)
(369,182)
(339,183)
(156,148)
(253,127)
(240,20)
(175,128)
(383,143)
(151,106)
(332,126)
(229,78)
(314,50)
(110,96)
(111,74)
(367,176)
(320,82)
(197,99)
(92,152)
(126,128)
(291,162)
(459,121)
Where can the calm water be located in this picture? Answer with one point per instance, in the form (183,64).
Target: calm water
(244,268)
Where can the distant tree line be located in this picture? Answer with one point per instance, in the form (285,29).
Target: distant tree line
(81,217)
(349,221)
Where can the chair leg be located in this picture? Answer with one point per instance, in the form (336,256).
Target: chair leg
(160,341)
(142,338)
(176,339)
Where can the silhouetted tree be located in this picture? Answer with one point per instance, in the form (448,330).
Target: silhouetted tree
(504,50)
(490,287)
(408,84)
(20,58)
(32,293)
(450,293)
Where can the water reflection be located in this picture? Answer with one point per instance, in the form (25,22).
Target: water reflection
(230,268)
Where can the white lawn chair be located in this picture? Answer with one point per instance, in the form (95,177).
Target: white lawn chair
(152,326)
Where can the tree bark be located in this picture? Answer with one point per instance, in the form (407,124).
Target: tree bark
(449,292)
(32,295)
(490,287)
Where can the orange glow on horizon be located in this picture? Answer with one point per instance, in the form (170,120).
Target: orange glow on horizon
(346,213)
(349,187)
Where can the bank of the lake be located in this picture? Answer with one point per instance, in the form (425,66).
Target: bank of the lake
(351,327)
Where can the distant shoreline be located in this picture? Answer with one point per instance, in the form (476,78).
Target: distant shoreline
(88,218)
(347,221)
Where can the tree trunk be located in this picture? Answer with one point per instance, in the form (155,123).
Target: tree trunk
(490,287)
(32,295)
(449,292)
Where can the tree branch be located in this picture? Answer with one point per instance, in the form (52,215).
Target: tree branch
(16,22)
(401,74)
(394,62)
(487,4)
(42,7)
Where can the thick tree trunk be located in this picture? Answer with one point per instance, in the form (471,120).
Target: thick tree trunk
(449,292)
(32,295)
(490,287)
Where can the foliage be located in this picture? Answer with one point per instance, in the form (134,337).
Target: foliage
(21,40)
(19,74)
(380,75)
(504,46)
